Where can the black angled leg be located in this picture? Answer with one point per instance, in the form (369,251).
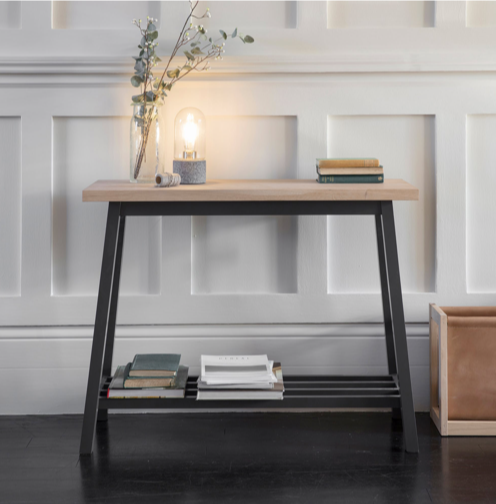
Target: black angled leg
(399,332)
(386,307)
(112,319)
(100,331)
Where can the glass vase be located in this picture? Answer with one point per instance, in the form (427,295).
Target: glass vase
(145,142)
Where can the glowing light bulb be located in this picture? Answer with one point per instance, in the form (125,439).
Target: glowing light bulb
(190,135)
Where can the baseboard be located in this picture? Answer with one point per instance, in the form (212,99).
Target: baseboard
(47,367)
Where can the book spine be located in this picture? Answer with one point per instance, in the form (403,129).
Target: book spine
(351,171)
(350,179)
(348,163)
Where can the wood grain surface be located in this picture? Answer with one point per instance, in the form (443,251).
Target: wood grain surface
(251,190)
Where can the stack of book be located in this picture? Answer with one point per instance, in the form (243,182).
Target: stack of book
(349,171)
(152,376)
(238,377)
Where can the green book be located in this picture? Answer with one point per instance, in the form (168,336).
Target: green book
(176,389)
(154,365)
(350,179)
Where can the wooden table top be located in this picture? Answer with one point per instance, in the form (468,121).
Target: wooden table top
(251,190)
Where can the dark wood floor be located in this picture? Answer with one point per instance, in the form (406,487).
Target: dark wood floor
(241,458)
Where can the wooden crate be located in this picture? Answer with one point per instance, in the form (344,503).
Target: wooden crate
(478,324)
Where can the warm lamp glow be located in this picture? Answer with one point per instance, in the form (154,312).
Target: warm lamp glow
(190,134)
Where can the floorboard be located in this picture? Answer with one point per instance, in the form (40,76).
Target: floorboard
(241,458)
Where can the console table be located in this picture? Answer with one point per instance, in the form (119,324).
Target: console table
(257,197)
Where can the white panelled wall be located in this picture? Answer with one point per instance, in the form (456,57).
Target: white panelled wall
(412,83)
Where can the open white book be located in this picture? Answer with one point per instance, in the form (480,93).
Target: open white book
(236,369)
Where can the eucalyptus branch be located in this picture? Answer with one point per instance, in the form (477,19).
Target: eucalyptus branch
(201,49)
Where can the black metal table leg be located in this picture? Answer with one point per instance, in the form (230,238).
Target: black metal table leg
(112,319)
(100,331)
(386,308)
(399,332)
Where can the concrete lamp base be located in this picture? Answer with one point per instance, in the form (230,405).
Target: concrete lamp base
(192,172)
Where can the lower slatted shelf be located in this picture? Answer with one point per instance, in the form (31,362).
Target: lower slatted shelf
(300,392)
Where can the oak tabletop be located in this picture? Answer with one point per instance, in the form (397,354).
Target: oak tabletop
(251,190)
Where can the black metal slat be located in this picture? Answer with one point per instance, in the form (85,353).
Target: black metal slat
(325,378)
(304,392)
(340,385)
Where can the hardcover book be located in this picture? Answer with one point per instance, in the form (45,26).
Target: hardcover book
(347,162)
(177,389)
(147,382)
(379,170)
(350,179)
(156,365)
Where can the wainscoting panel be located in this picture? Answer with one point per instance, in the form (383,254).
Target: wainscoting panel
(247,254)
(10,15)
(400,14)
(272,14)
(481,205)
(405,147)
(481,13)
(101,15)
(86,149)
(10,206)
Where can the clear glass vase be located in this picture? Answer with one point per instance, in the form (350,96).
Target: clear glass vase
(145,142)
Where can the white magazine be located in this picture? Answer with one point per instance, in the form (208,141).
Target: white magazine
(236,369)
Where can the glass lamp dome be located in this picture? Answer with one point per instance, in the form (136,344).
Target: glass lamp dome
(189,135)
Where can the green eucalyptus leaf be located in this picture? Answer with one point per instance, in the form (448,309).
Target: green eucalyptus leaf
(234,33)
(137,58)
(151,27)
(189,55)
(139,66)
(173,73)
(157,59)
(153,35)
(201,30)
(187,67)
(137,98)
(136,81)
(248,39)
(197,51)
(224,34)
(150,96)
(143,42)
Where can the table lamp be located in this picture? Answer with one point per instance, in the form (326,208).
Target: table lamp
(189,146)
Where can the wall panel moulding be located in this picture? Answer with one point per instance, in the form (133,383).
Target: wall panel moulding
(404,144)
(78,229)
(247,254)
